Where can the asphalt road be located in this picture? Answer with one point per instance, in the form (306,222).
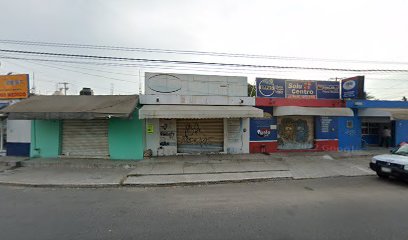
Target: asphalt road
(333,208)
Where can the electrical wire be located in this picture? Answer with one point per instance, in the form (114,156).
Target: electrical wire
(187,52)
(111,58)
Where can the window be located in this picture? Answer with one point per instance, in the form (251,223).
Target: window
(370,128)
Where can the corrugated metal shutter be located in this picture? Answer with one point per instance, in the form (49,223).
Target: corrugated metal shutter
(85,138)
(200,135)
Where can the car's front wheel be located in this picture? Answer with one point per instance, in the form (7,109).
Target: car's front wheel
(382,175)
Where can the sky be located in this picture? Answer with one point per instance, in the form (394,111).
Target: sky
(372,32)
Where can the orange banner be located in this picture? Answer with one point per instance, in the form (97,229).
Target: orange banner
(14,86)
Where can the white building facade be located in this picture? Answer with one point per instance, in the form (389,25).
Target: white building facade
(196,114)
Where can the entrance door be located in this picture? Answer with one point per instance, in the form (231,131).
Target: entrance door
(372,128)
(200,135)
(85,138)
(295,132)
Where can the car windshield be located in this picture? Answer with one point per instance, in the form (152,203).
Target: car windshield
(403,150)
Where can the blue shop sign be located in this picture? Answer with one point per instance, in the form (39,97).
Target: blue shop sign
(271,88)
(352,88)
(326,127)
(328,90)
(263,129)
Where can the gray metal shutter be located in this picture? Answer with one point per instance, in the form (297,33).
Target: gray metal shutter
(200,135)
(85,138)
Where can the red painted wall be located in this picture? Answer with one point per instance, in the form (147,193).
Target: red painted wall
(299,102)
(270,147)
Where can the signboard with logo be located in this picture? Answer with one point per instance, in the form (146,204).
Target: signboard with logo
(267,87)
(352,88)
(300,89)
(263,129)
(14,86)
(281,88)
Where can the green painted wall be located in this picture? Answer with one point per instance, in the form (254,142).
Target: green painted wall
(45,138)
(126,140)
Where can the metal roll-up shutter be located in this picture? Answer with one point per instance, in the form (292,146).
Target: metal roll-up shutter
(200,135)
(85,138)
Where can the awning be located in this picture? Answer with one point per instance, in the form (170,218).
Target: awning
(73,107)
(312,111)
(392,113)
(198,111)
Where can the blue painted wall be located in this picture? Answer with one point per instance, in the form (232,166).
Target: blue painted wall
(401,131)
(18,149)
(349,138)
(375,104)
(326,128)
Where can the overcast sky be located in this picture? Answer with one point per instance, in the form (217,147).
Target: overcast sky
(354,30)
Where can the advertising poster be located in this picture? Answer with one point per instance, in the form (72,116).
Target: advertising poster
(352,88)
(14,86)
(263,129)
(300,89)
(270,88)
(328,90)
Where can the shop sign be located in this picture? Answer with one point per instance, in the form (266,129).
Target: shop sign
(150,128)
(352,88)
(326,127)
(281,88)
(14,86)
(263,129)
(267,87)
(328,90)
(300,89)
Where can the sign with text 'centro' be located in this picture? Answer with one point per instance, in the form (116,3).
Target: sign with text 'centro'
(303,89)
(14,86)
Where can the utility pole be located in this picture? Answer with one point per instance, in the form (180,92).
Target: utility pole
(65,87)
(111,89)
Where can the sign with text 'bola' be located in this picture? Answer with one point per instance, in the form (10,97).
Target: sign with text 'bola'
(14,86)
(281,88)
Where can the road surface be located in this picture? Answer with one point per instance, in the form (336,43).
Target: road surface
(326,208)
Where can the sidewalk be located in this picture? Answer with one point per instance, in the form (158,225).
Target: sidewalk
(182,170)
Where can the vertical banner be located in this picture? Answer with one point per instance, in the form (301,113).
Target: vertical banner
(352,88)
(270,88)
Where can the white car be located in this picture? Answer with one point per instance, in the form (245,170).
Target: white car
(394,164)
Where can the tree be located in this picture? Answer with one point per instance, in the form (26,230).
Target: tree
(251,90)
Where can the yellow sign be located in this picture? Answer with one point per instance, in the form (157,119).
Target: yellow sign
(150,128)
(14,86)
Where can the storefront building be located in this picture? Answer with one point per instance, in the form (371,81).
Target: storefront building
(14,134)
(370,120)
(196,114)
(82,126)
(298,116)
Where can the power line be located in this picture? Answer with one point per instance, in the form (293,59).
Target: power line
(187,52)
(96,57)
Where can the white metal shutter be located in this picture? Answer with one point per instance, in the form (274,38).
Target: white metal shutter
(85,138)
(200,135)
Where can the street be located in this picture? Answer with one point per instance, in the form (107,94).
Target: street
(324,208)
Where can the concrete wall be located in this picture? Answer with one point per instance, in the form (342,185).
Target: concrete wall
(196,100)
(126,140)
(193,84)
(401,131)
(46,138)
(18,137)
